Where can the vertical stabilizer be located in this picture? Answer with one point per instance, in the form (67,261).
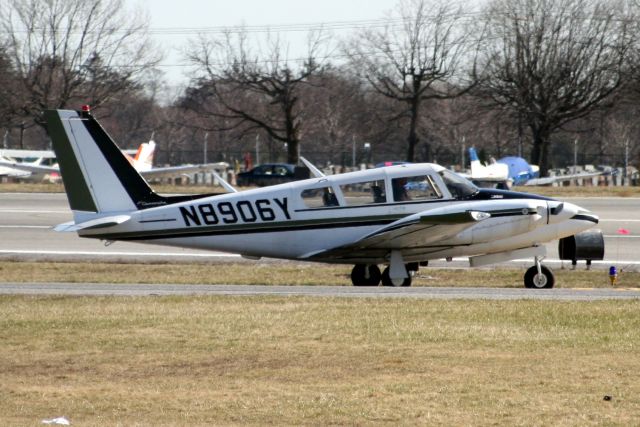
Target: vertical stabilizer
(477,168)
(96,175)
(143,161)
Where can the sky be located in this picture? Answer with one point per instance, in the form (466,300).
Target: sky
(190,16)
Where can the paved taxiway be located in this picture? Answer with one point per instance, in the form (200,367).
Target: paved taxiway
(97,289)
(26,220)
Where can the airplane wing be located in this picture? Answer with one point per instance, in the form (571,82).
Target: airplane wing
(30,167)
(415,233)
(175,171)
(13,172)
(559,178)
(27,154)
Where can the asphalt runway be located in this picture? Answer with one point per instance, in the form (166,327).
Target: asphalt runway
(98,289)
(26,221)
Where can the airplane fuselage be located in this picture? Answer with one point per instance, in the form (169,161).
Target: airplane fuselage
(282,222)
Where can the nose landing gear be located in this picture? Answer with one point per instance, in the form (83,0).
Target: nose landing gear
(388,281)
(539,276)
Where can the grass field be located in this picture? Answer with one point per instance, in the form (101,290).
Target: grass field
(319,361)
(286,273)
(284,361)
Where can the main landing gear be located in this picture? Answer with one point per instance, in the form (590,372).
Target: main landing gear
(369,275)
(536,277)
(365,275)
(539,276)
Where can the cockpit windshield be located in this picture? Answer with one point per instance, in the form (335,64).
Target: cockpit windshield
(459,187)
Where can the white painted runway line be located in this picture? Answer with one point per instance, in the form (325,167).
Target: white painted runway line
(110,253)
(37,211)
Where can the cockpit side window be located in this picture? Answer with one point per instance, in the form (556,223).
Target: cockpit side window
(459,187)
(364,193)
(415,188)
(319,197)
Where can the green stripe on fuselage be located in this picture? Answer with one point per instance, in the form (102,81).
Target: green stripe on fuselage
(75,185)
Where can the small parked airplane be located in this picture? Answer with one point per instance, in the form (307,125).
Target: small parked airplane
(39,159)
(512,170)
(32,165)
(399,216)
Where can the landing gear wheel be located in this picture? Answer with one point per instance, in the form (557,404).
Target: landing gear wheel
(365,275)
(533,280)
(386,280)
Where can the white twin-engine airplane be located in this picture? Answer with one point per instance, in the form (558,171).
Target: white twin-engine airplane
(398,216)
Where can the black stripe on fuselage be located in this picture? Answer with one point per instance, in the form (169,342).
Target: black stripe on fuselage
(225,231)
(270,227)
(494,194)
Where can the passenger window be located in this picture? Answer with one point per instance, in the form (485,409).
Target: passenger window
(319,197)
(415,188)
(364,193)
(280,170)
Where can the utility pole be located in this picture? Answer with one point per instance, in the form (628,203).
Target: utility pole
(626,161)
(575,155)
(463,148)
(257,149)
(353,151)
(206,138)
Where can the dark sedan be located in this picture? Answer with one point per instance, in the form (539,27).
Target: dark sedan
(271,174)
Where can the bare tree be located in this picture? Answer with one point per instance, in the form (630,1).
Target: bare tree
(255,91)
(554,61)
(7,81)
(415,58)
(74,50)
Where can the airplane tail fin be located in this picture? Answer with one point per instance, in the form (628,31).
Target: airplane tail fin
(97,176)
(473,155)
(143,160)
(477,168)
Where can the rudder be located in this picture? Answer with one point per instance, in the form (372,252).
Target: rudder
(96,175)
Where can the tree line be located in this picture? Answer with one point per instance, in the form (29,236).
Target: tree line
(554,81)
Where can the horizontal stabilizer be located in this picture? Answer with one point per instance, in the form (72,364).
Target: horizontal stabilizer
(108,221)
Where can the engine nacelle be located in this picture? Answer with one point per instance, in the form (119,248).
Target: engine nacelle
(587,245)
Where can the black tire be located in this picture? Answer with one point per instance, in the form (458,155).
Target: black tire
(365,275)
(386,280)
(533,281)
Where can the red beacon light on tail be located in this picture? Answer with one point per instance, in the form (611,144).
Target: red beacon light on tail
(86,110)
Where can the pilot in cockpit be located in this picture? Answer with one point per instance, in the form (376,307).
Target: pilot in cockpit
(400,193)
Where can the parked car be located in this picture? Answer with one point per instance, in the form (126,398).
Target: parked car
(271,174)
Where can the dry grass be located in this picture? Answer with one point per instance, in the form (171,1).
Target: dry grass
(283,273)
(286,361)
(573,191)
(30,187)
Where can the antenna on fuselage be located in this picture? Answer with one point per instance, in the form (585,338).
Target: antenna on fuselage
(224,183)
(314,170)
